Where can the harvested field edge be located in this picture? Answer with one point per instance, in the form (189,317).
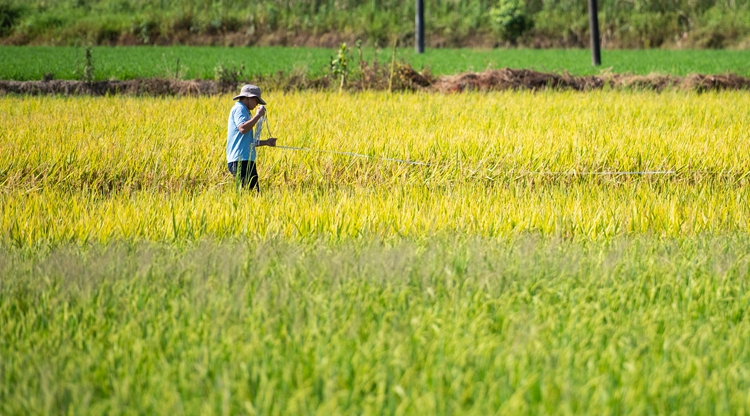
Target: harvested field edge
(404,79)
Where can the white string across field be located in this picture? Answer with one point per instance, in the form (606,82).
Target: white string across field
(414,162)
(264,120)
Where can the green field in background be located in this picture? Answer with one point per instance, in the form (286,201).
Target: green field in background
(32,62)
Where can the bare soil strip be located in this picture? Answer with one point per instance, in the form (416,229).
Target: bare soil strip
(519,79)
(404,79)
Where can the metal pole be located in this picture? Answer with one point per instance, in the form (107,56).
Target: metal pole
(596,57)
(419,32)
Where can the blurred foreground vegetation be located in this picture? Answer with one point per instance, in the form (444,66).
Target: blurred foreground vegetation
(638,325)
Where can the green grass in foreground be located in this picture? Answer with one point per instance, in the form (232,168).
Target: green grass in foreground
(32,62)
(638,325)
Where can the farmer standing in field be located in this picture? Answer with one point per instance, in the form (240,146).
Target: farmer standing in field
(240,138)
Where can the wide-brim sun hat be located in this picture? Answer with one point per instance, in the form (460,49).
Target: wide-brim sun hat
(250,90)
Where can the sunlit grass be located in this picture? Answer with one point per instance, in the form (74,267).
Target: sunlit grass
(136,278)
(105,169)
(454,325)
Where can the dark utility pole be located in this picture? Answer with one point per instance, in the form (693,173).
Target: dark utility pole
(596,57)
(419,32)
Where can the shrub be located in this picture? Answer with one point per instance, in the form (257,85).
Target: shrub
(340,65)
(227,75)
(9,16)
(720,26)
(509,19)
(145,30)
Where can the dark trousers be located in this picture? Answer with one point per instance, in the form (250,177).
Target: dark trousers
(248,175)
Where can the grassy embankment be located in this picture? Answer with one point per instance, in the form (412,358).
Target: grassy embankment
(451,23)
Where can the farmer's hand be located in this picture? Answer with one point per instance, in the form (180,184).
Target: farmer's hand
(261,111)
(271,142)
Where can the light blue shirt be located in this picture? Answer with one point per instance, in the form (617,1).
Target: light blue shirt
(239,145)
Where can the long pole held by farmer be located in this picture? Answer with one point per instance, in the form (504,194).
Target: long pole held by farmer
(241,142)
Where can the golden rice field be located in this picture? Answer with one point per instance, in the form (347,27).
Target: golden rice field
(516,273)
(78,170)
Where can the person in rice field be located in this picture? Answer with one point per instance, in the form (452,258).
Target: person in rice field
(240,138)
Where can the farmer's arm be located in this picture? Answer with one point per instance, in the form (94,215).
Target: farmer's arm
(248,125)
(270,142)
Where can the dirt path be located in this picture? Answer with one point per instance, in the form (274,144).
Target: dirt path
(405,78)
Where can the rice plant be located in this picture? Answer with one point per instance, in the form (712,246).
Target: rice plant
(516,273)
(86,169)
